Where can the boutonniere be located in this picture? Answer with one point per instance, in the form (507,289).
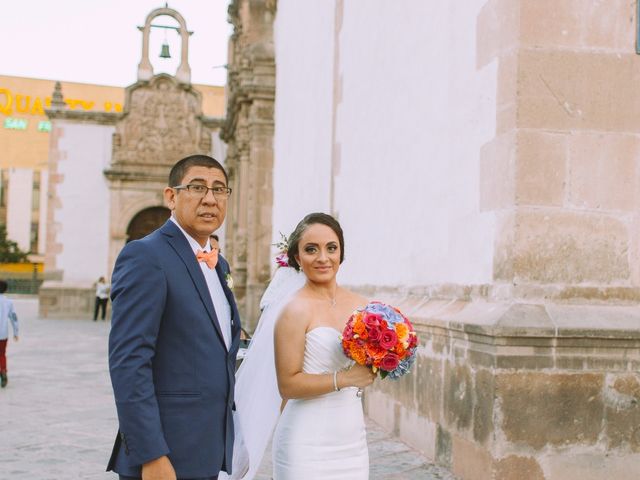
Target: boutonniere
(229,280)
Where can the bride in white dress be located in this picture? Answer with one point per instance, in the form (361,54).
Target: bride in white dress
(321,432)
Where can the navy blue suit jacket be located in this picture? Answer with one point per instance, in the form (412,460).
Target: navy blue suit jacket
(172,375)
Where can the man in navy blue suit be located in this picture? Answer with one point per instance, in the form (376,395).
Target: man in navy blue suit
(174,337)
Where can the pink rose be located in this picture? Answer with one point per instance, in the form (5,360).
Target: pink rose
(372,320)
(390,362)
(348,332)
(374,333)
(388,339)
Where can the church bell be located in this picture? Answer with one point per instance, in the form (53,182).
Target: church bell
(164,53)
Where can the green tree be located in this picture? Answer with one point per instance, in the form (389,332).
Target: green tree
(9,250)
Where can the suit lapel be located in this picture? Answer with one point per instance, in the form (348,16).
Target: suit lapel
(180,244)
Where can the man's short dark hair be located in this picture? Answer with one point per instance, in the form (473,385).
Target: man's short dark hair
(179,170)
(3,286)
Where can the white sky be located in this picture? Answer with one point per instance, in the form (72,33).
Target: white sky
(96,41)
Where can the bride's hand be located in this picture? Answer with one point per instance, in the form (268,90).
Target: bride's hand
(357,376)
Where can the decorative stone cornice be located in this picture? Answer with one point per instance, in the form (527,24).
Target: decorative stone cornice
(99,118)
(244,94)
(212,122)
(134,176)
(525,293)
(60,111)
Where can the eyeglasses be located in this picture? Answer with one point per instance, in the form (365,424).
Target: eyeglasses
(197,190)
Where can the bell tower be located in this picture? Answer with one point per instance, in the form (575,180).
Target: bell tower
(145,69)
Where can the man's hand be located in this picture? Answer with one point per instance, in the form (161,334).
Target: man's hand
(15,337)
(158,469)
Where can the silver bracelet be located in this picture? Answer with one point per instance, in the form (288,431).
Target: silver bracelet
(335,381)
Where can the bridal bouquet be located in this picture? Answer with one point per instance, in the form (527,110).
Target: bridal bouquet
(380,337)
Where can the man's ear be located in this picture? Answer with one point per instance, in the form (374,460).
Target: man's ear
(170,198)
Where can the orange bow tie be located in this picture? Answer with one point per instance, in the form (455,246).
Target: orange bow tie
(211,258)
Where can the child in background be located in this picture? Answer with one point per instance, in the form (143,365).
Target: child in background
(7,313)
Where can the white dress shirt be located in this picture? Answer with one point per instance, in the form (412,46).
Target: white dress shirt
(102,290)
(219,299)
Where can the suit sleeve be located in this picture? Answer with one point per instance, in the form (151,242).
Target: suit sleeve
(138,297)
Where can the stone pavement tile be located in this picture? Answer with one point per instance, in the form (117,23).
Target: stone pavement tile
(393,464)
(428,472)
(385,447)
(390,459)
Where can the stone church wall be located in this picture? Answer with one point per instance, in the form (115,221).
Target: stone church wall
(482,157)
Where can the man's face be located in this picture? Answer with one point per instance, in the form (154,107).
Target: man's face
(198,216)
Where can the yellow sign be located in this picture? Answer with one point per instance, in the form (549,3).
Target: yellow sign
(11,103)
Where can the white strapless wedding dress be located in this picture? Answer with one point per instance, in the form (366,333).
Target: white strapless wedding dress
(323,437)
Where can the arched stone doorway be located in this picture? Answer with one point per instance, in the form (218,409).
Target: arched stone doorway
(146,221)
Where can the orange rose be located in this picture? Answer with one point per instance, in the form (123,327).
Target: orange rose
(402,331)
(375,352)
(358,354)
(360,328)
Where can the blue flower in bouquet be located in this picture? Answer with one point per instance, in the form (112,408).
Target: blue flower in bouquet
(385,311)
(404,366)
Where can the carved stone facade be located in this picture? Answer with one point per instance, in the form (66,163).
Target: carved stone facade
(248,130)
(162,122)
(127,158)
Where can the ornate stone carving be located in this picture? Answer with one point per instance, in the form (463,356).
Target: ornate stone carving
(161,123)
(271,5)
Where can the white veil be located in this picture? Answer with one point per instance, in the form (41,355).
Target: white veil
(257,397)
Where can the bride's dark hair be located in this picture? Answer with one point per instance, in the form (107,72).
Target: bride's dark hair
(306,222)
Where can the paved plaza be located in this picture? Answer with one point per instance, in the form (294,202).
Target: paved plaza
(59,420)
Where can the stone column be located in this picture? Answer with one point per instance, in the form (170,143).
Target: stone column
(562,171)
(249,133)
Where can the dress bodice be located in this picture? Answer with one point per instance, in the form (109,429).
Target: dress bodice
(323,351)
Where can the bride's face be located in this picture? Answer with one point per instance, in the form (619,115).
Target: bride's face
(319,253)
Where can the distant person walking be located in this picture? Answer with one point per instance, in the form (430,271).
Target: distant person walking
(102,296)
(7,313)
